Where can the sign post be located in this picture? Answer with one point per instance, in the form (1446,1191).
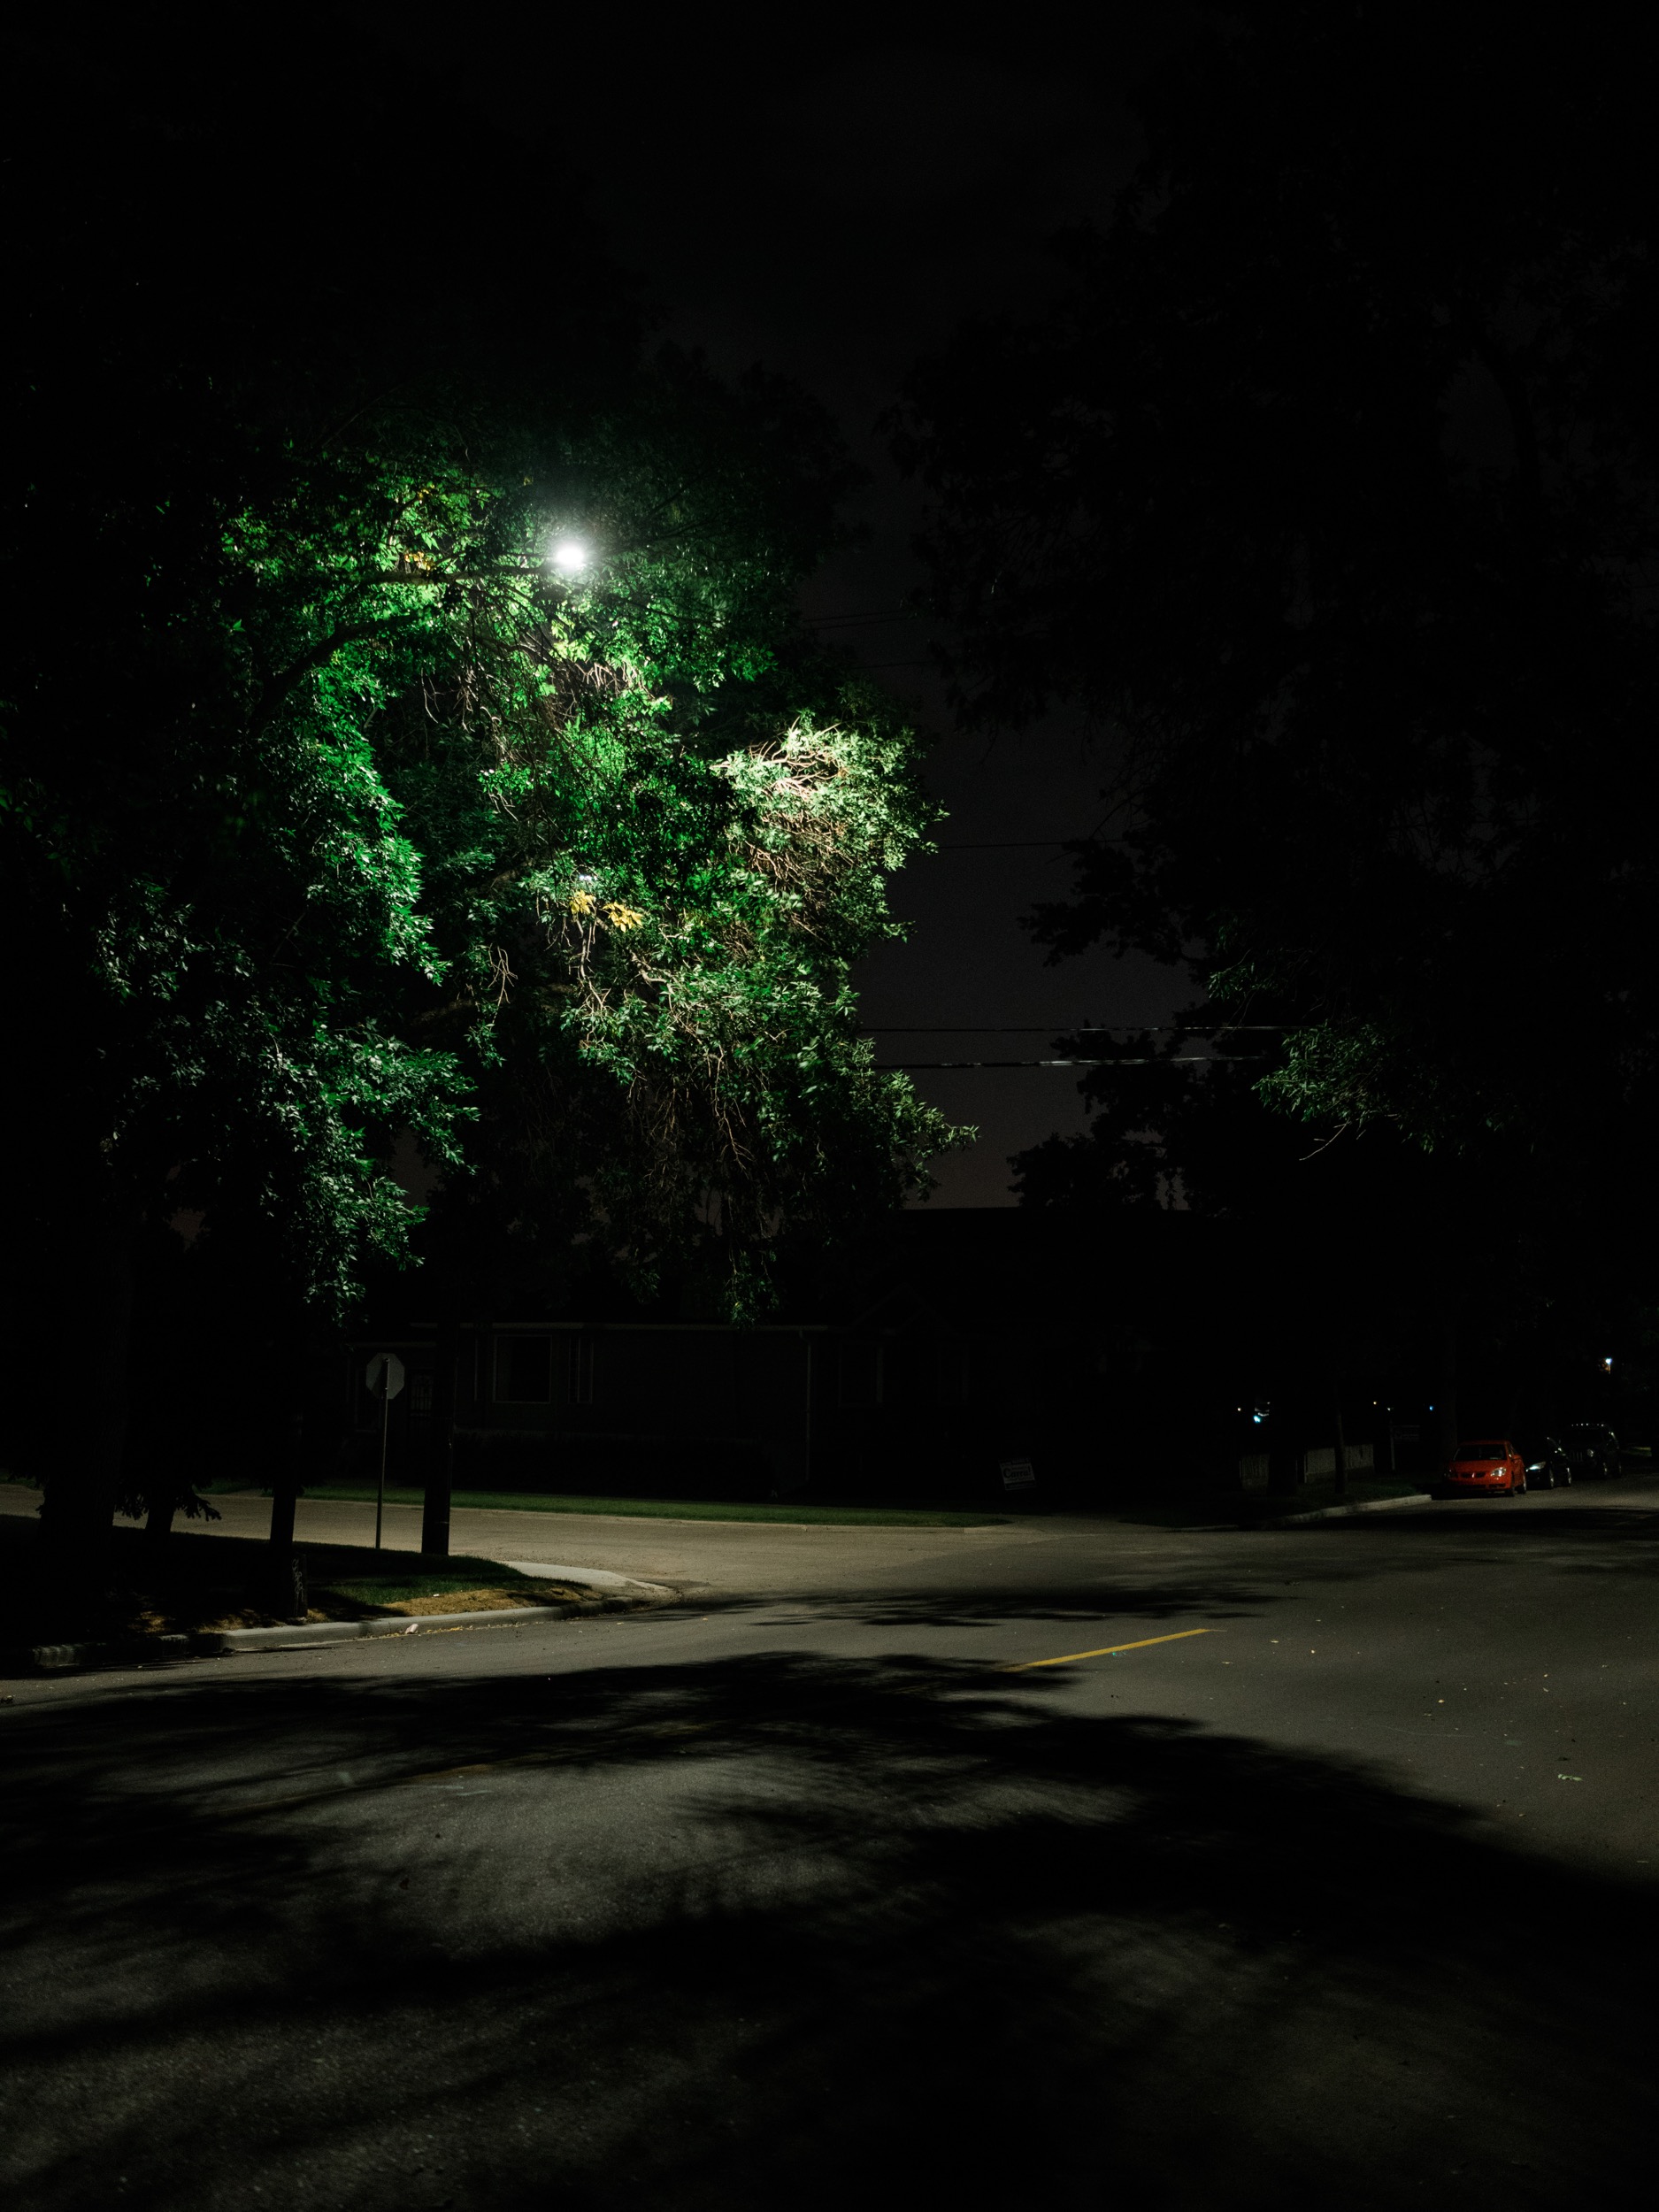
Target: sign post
(384,1376)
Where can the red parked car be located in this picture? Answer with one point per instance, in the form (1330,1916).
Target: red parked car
(1489,1463)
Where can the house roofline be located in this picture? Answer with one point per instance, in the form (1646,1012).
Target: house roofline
(616,1328)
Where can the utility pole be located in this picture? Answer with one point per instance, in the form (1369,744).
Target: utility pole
(1446,1387)
(1340,1484)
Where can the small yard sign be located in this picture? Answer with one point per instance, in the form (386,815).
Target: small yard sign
(1018,1474)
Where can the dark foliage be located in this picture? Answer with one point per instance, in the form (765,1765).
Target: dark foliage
(1329,489)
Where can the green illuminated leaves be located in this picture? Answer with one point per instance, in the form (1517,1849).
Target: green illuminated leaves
(369,822)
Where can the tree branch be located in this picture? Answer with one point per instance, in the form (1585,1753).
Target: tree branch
(348,634)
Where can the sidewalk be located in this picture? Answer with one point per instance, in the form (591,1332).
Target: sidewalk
(749,1559)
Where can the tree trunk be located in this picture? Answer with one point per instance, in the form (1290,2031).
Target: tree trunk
(434,1518)
(285,1570)
(86,1429)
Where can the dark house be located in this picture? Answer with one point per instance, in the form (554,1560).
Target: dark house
(981,1338)
(672,1408)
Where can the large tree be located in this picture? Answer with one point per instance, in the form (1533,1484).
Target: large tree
(1329,489)
(341,807)
(659,824)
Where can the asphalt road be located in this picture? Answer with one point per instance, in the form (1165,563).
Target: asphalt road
(1340,1891)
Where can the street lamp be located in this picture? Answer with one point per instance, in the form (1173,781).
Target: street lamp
(569,556)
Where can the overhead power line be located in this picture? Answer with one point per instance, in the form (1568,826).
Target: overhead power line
(868,614)
(1023,844)
(1175,1060)
(1061,1029)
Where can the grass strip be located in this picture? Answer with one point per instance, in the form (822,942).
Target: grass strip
(464,1575)
(680,1508)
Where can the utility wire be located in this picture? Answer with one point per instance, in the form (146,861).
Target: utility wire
(1063,1029)
(1027,844)
(825,621)
(1175,1060)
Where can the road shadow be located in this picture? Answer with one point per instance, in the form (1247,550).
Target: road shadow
(781,1930)
(136,1588)
(1629,1533)
(1205,1595)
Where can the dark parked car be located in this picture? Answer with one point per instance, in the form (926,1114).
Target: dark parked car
(1548,1466)
(1592,1449)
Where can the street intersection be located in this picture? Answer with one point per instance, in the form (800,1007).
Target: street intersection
(1067,1860)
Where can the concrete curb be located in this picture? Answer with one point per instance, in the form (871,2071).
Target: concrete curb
(1347,1512)
(621,1595)
(588,1577)
(121,1652)
(300,1634)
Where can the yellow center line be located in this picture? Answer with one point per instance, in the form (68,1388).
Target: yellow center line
(1105,1652)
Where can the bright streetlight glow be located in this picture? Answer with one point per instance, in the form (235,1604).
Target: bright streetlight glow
(570,557)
